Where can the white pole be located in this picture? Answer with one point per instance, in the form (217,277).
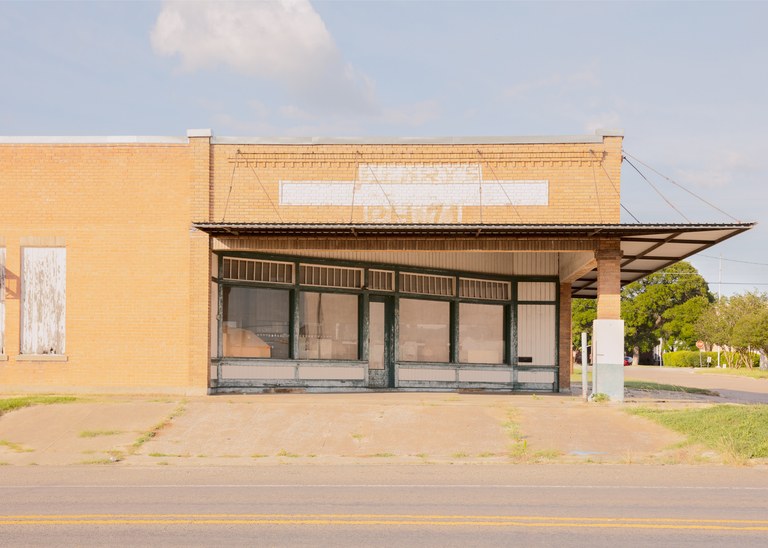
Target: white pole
(720,279)
(584,366)
(661,352)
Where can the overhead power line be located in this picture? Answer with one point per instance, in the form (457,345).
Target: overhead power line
(669,179)
(731,260)
(737,283)
(657,190)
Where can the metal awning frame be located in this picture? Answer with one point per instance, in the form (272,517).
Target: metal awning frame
(646,248)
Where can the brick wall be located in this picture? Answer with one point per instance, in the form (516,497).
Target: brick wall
(422,183)
(123,214)
(137,274)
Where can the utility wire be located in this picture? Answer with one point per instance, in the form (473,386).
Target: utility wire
(597,194)
(731,260)
(231,183)
(501,186)
(738,283)
(616,190)
(657,190)
(266,193)
(354,189)
(710,204)
(378,183)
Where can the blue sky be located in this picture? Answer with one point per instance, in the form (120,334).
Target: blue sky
(686,81)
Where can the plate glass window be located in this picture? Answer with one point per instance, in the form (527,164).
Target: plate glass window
(425,331)
(256,322)
(481,333)
(328,326)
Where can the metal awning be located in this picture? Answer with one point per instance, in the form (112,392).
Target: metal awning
(646,248)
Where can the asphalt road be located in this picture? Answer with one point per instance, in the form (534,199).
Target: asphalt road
(378,505)
(730,387)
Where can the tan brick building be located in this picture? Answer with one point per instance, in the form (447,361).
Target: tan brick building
(212,264)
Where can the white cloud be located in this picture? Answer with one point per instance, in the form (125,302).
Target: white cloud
(414,115)
(285,42)
(259,109)
(603,120)
(292,112)
(555,84)
(706,178)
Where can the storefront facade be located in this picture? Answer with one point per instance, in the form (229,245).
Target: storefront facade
(205,264)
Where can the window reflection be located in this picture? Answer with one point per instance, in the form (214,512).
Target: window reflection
(424,330)
(481,333)
(328,326)
(256,322)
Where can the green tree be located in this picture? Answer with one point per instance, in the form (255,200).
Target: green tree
(583,313)
(739,323)
(680,321)
(666,304)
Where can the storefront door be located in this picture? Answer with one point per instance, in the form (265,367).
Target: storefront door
(381,367)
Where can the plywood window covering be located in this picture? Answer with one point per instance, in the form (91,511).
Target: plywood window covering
(381,280)
(491,290)
(253,270)
(536,334)
(427,284)
(43,300)
(2,300)
(330,276)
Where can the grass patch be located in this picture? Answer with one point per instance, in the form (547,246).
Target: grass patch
(382,455)
(519,447)
(737,431)
(742,372)
(148,435)
(460,455)
(112,457)
(11,404)
(169,455)
(651,386)
(99,433)
(576,375)
(284,453)
(15,447)
(98,461)
(548,454)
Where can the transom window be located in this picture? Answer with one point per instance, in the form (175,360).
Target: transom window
(254,270)
(321,313)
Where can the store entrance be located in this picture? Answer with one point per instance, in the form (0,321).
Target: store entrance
(381,366)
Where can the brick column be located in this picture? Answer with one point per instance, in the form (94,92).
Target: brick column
(608,280)
(564,344)
(200,262)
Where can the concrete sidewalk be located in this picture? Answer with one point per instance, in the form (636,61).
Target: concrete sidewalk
(385,427)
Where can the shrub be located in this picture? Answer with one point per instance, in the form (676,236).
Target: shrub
(688,358)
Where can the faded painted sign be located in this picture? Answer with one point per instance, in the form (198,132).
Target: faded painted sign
(404,188)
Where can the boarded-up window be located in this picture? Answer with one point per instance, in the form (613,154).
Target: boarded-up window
(2,300)
(536,331)
(43,300)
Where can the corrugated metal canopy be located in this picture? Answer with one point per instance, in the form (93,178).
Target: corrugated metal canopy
(647,252)
(647,248)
